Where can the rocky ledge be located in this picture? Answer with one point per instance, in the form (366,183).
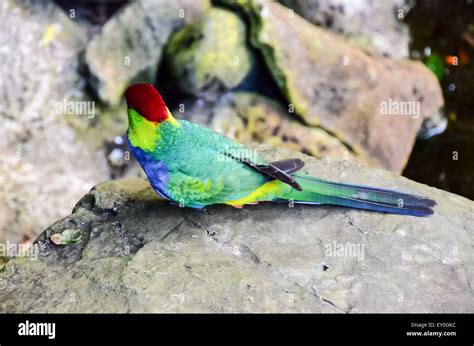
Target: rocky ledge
(124,250)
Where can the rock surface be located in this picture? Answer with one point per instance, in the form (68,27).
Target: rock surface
(210,54)
(374,25)
(341,88)
(130,45)
(135,253)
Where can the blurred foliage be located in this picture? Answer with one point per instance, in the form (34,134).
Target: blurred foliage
(436,65)
(442,37)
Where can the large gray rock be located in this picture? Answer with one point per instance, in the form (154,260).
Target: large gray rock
(124,250)
(130,45)
(374,105)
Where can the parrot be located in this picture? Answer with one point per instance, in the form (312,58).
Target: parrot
(194,166)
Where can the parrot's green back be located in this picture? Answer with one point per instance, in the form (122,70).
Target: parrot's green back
(201,170)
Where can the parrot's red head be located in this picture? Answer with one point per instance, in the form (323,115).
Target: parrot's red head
(147,101)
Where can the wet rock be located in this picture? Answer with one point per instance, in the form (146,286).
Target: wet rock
(373,25)
(136,253)
(130,45)
(374,105)
(210,54)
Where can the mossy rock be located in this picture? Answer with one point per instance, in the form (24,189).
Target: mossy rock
(210,54)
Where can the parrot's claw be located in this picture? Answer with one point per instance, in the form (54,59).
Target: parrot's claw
(206,211)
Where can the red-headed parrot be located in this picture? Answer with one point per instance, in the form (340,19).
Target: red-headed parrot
(195,167)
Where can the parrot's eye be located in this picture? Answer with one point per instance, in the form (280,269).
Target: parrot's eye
(147,101)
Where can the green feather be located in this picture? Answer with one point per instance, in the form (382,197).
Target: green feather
(201,171)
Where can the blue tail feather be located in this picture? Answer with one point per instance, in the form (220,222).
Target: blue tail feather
(361,197)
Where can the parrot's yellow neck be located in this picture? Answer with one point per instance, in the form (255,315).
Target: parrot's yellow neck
(145,134)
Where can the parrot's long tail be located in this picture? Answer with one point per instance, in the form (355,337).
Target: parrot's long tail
(317,191)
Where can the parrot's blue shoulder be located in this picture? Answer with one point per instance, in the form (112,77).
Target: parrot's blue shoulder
(156,170)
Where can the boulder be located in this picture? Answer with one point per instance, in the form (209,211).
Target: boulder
(129,46)
(125,250)
(373,25)
(210,54)
(374,105)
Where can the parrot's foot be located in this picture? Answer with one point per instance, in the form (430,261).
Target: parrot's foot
(206,211)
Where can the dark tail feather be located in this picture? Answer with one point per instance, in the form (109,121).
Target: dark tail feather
(379,206)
